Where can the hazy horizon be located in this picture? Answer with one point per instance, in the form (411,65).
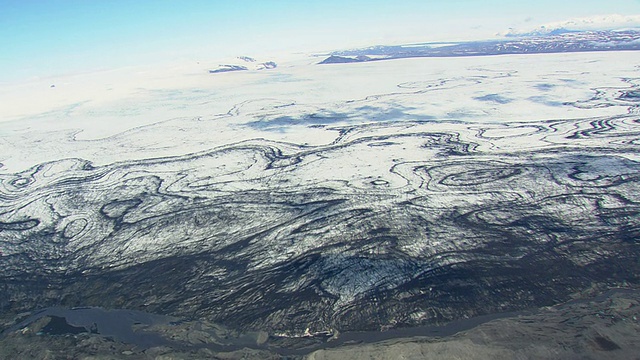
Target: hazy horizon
(51,38)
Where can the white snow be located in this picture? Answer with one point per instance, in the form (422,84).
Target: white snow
(136,113)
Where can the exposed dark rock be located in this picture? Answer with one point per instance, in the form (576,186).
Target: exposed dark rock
(228,68)
(335,59)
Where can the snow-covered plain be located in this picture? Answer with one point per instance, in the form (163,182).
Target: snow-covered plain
(137,113)
(344,195)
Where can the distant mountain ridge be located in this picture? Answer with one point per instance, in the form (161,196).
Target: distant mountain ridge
(556,41)
(590,23)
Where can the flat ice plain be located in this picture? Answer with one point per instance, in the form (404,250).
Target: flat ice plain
(138,113)
(315,197)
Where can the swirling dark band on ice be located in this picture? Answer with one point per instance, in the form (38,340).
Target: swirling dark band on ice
(392,224)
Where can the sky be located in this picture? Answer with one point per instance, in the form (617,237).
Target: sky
(40,38)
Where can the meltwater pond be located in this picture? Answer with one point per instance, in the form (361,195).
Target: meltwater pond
(117,324)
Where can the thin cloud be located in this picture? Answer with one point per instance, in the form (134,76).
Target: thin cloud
(600,22)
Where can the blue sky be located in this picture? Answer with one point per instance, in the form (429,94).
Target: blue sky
(50,37)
